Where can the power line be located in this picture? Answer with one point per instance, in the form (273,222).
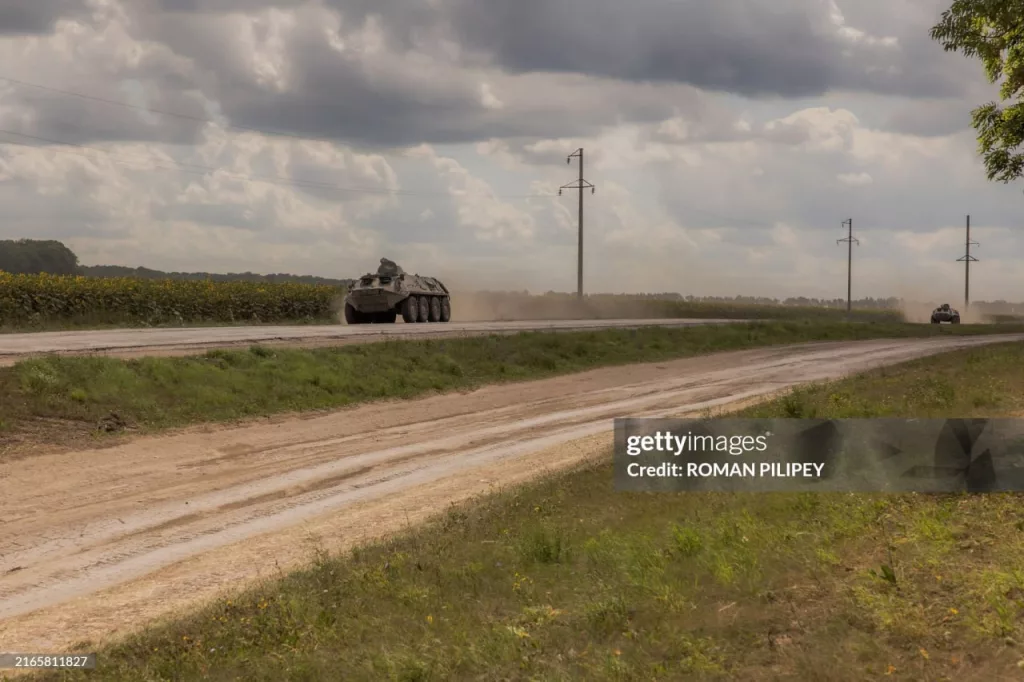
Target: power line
(967,259)
(152,110)
(206,120)
(277,133)
(198,169)
(202,170)
(580,184)
(850,241)
(278,180)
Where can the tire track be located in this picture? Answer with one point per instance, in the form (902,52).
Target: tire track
(85,530)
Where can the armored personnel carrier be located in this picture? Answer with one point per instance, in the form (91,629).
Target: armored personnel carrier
(382,296)
(945,314)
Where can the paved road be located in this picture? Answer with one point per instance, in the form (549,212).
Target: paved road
(99,540)
(174,341)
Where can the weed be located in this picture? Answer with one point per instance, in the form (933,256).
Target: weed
(223,385)
(560,580)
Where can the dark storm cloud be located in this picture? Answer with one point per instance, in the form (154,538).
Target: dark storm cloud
(217,6)
(331,96)
(392,98)
(28,17)
(61,94)
(76,121)
(328,95)
(787,48)
(740,47)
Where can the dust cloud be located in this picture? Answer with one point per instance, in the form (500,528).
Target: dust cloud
(486,306)
(920,311)
(510,298)
(496,306)
(472,304)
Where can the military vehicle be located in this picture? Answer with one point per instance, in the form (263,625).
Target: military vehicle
(382,296)
(945,314)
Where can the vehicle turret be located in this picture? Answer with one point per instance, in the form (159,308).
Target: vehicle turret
(382,296)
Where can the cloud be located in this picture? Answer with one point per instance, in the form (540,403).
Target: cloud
(37,16)
(855,179)
(727,141)
(790,48)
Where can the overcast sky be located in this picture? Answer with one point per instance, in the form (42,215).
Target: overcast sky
(728,140)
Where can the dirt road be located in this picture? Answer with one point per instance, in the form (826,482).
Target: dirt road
(97,540)
(137,342)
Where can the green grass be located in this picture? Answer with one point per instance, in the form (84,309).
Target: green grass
(157,393)
(567,580)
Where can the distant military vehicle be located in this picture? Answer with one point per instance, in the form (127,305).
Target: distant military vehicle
(945,314)
(380,297)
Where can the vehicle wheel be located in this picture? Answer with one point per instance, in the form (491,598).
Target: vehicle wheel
(424,309)
(934,321)
(435,309)
(446,309)
(956,320)
(352,315)
(410,309)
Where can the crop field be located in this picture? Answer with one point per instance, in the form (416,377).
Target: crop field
(47,302)
(51,300)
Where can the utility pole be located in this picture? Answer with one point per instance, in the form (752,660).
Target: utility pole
(967,258)
(580,184)
(850,241)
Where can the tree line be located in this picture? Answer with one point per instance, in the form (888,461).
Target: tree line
(36,256)
(39,256)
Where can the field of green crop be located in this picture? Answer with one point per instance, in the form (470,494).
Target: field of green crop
(40,302)
(46,300)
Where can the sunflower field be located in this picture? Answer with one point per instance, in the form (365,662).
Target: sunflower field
(26,300)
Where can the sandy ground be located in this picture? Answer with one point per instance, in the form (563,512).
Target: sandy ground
(96,542)
(148,342)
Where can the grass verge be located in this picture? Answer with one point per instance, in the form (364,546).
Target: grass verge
(566,580)
(155,393)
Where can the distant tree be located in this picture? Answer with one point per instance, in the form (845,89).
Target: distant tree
(147,273)
(992,31)
(35,256)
